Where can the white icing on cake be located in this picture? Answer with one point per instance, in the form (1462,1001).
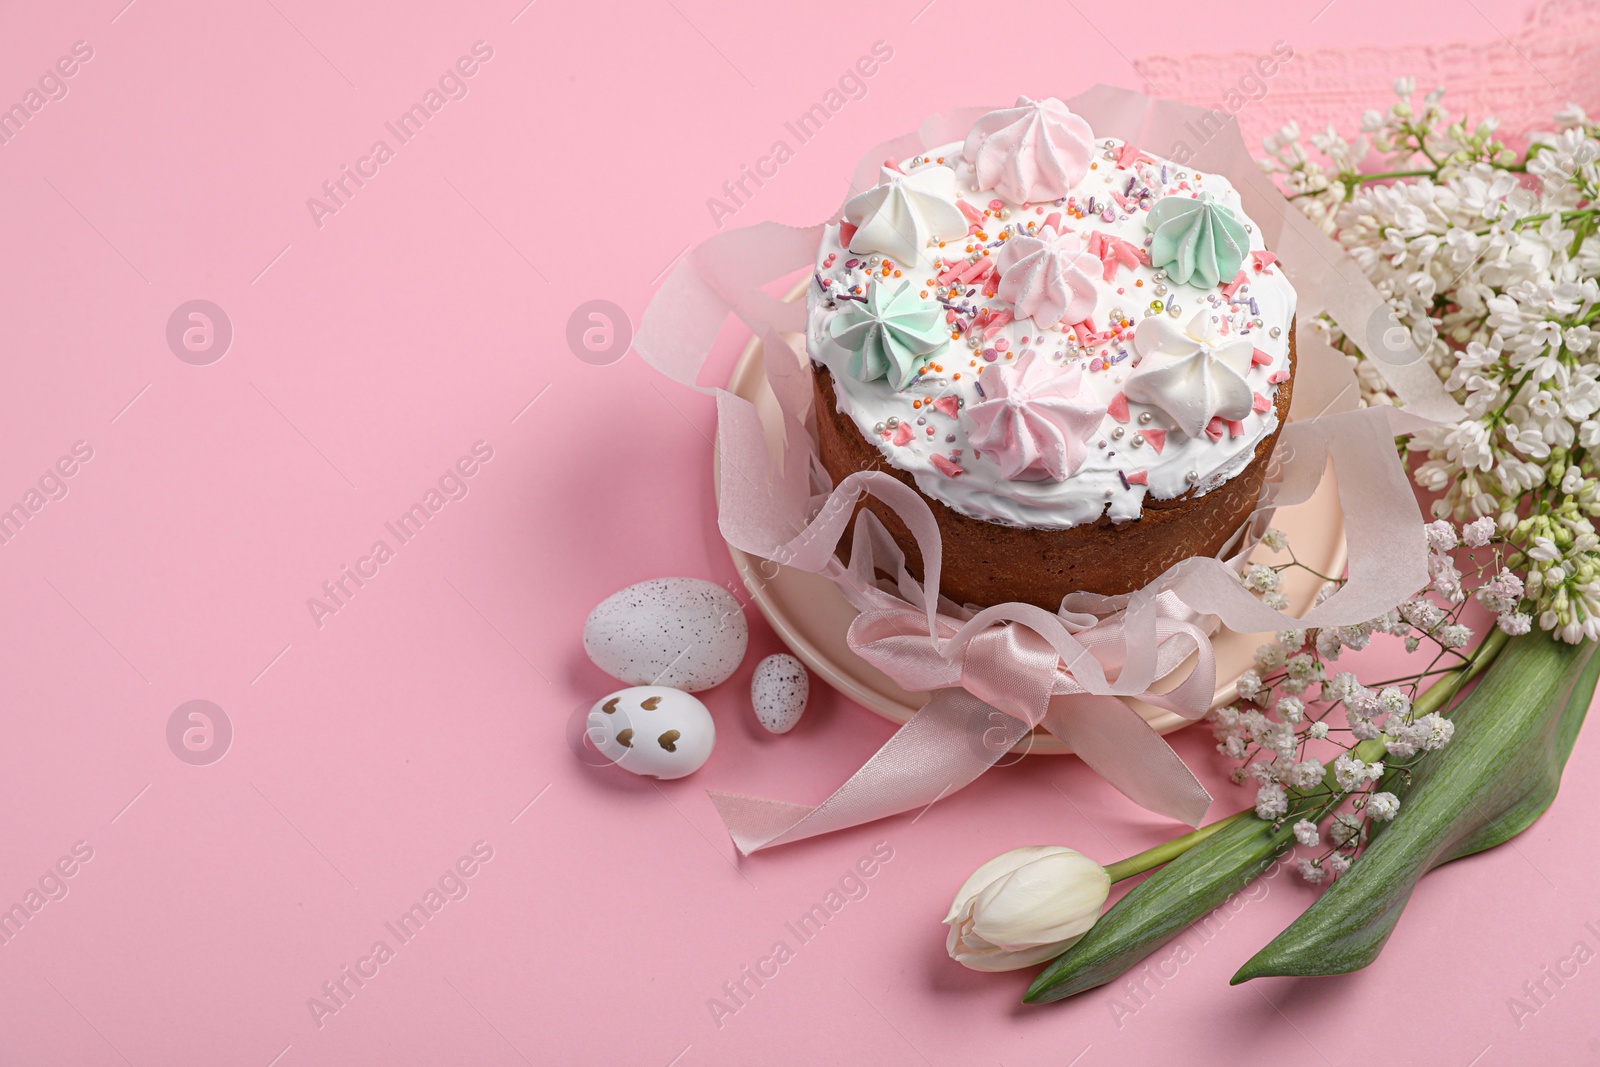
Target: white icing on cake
(956,276)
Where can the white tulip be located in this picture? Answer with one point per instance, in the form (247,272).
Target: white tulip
(1024,907)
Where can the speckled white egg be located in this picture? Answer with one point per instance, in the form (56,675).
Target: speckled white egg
(778,692)
(686,633)
(653,731)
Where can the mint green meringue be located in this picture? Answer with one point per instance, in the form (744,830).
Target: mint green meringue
(1196,238)
(890,335)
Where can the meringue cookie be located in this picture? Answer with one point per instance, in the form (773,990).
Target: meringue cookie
(900,215)
(1049,277)
(1030,153)
(1038,419)
(1196,239)
(1188,378)
(888,336)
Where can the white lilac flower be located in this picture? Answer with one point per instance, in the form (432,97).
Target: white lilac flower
(1383,806)
(1271,801)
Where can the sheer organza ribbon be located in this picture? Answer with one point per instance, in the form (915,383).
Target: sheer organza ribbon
(998,673)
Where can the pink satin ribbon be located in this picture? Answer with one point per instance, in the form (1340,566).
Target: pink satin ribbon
(994,676)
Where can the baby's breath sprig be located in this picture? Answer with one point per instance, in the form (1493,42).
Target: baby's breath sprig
(1319,744)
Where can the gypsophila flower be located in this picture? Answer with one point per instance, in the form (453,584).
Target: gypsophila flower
(1312,871)
(1275,540)
(1249,685)
(1304,774)
(1364,729)
(1476,533)
(1454,636)
(1262,579)
(1383,806)
(1392,701)
(1441,536)
(1271,801)
(1433,731)
(1345,828)
(1305,832)
(1290,709)
(1423,614)
(1271,657)
(1292,640)
(1515,624)
(1350,772)
(1342,686)
(1318,730)
(1337,864)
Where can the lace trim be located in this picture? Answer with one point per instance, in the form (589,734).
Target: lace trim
(1521,79)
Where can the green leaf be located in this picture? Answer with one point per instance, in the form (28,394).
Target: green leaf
(1499,773)
(1163,905)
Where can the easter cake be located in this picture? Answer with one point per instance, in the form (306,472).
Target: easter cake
(1079,353)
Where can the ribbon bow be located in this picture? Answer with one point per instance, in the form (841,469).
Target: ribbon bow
(994,677)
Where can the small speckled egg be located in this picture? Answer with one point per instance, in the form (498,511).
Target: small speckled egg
(686,633)
(778,692)
(653,731)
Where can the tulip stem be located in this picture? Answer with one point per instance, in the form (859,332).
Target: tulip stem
(1168,851)
(1435,697)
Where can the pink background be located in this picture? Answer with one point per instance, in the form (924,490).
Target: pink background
(426,715)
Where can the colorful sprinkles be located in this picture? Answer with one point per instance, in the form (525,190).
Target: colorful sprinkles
(961,278)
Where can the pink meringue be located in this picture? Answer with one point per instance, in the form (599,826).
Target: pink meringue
(1030,153)
(1048,277)
(1037,419)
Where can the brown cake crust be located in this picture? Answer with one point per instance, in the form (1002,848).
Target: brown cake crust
(987,563)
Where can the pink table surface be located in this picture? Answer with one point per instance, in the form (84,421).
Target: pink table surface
(374,747)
